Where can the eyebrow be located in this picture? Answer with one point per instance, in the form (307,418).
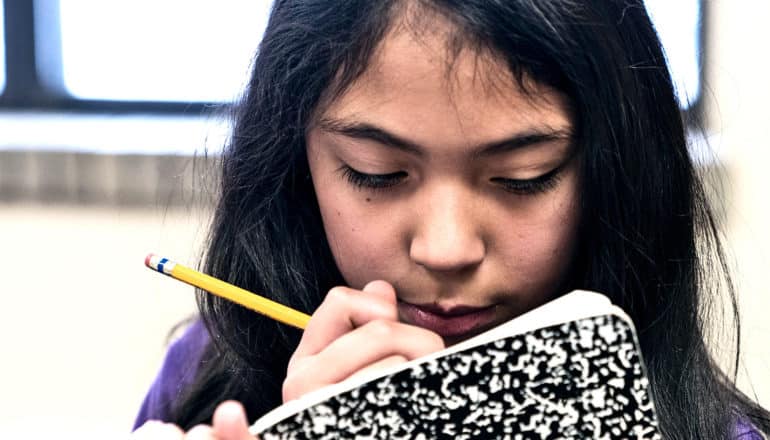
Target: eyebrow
(370,132)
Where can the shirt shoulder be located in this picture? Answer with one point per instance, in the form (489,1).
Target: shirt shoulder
(746,431)
(177,371)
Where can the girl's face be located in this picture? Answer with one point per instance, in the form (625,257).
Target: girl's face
(446,180)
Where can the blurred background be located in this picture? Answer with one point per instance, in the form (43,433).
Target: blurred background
(111,115)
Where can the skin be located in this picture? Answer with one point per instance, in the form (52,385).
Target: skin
(447,231)
(229,423)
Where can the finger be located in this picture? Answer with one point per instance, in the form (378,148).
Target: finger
(200,432)
(377,340)
(356,350)
(230,423)
(156,430)
(388,362)
(344,309)
(380,287)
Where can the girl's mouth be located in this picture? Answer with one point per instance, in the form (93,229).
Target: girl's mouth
(455,322)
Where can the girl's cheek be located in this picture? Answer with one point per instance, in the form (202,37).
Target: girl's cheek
(364,250)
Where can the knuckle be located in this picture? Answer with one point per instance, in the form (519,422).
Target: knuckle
(290,388)
(199,432)
(296,382)
(436,341)
(399,359)
(337,294)
(381,329)
(294,360)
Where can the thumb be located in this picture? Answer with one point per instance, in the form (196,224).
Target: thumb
(229,422)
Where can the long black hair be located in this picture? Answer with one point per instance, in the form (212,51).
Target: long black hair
(647,236)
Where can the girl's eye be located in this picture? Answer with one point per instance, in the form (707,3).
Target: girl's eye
(532,186)
(372,181)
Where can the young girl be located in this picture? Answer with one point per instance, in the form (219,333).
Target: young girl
(454,163)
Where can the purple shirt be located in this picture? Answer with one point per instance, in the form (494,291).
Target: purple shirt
(182,360)
(745,431)
(177,372)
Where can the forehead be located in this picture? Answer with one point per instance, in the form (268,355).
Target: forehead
(422,81)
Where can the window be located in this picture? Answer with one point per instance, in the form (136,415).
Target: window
(679,27)
(138,56)
(135,77)
(2,49)
(168,55)
(148,50)
(128,85)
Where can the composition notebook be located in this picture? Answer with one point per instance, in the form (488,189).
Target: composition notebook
(570,369)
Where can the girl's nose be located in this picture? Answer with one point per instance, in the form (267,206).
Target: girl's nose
(448,234)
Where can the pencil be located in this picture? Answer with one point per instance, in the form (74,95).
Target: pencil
(250,300)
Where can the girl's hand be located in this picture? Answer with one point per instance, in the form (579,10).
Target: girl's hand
(229,424)
(353,331)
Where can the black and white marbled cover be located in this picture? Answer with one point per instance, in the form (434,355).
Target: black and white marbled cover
(581,379)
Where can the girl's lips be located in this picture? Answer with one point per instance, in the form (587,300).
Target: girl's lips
(454,322)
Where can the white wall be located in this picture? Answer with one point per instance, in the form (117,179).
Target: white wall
(83,323)
(740,124)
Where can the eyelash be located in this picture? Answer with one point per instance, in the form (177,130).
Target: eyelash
(537,185)
(372,181)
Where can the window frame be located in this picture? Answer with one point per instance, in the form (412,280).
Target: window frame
(27,90)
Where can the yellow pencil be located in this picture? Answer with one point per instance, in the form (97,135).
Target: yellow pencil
(269,308)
